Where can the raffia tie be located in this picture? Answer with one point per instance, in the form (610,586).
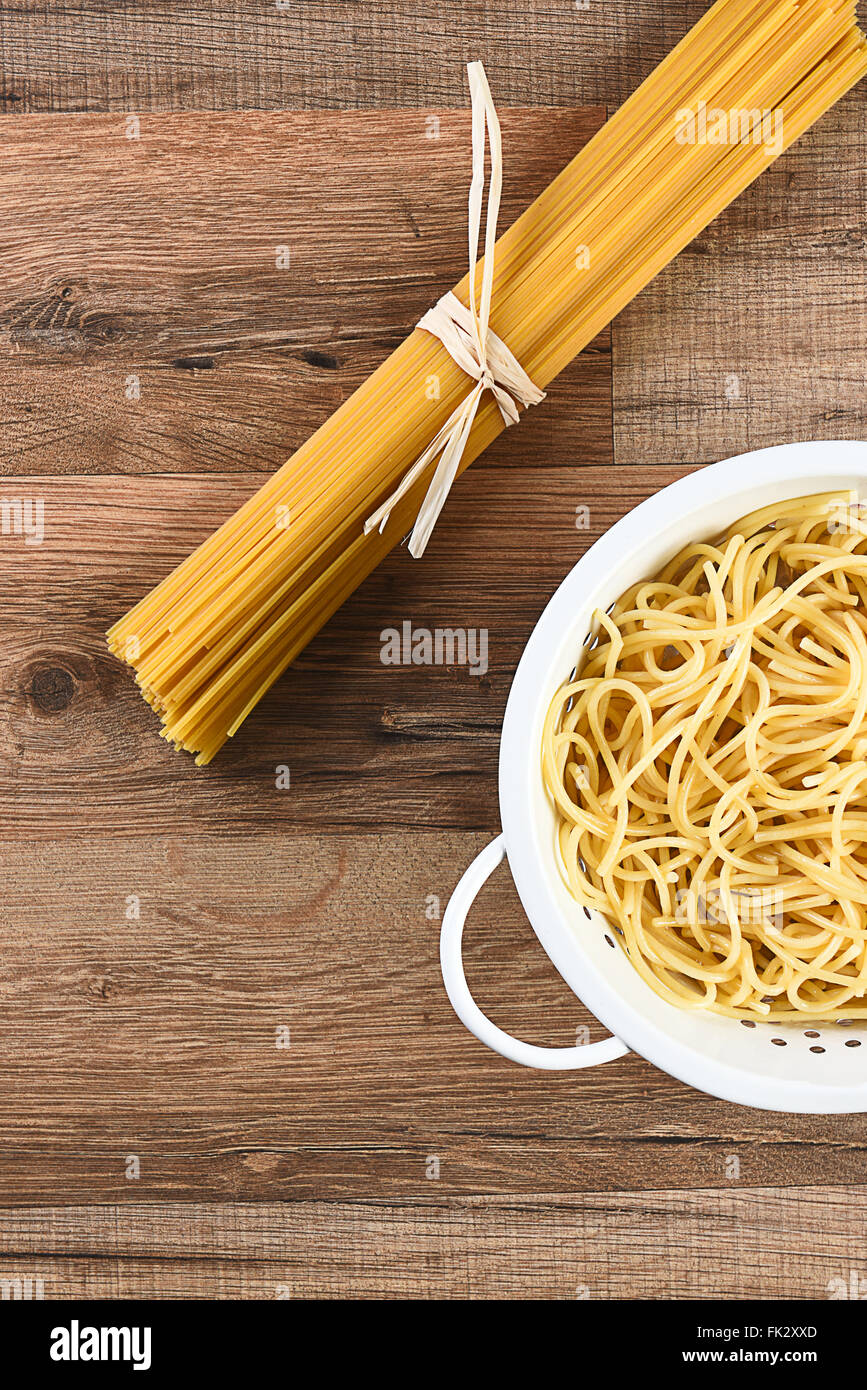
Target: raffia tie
(467,337)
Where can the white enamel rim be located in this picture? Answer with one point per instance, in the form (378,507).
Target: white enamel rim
(759,478)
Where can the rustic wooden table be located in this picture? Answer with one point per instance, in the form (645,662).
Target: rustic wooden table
(166,931)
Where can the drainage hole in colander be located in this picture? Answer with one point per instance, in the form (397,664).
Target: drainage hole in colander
(747,1023)
(811,1033)
(570,702)
(817,1049)
(852,1042)
(778,1042)
(610,942)
(586,912)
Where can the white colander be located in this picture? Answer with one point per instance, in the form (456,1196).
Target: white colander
(819,1068)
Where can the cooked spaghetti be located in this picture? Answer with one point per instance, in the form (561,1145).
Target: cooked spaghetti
(212,638)
(708,765)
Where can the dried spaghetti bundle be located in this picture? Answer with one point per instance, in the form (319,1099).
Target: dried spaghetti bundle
(211,639)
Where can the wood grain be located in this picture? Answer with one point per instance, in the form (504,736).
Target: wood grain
(755,334)
(138,55)
(748,1243)
(368,745)
(143,332)
(157,1036)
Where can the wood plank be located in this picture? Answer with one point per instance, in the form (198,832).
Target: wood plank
(765,1243)
(158,1036)
(368,745)
(141,331)
(755,334)
(263,909)
(224,54)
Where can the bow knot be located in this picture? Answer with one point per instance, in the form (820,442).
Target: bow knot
(467,336)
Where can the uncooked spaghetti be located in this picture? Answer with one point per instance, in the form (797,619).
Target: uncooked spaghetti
(708,765)
(213,637)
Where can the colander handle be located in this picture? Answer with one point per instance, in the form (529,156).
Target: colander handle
(466,1008)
